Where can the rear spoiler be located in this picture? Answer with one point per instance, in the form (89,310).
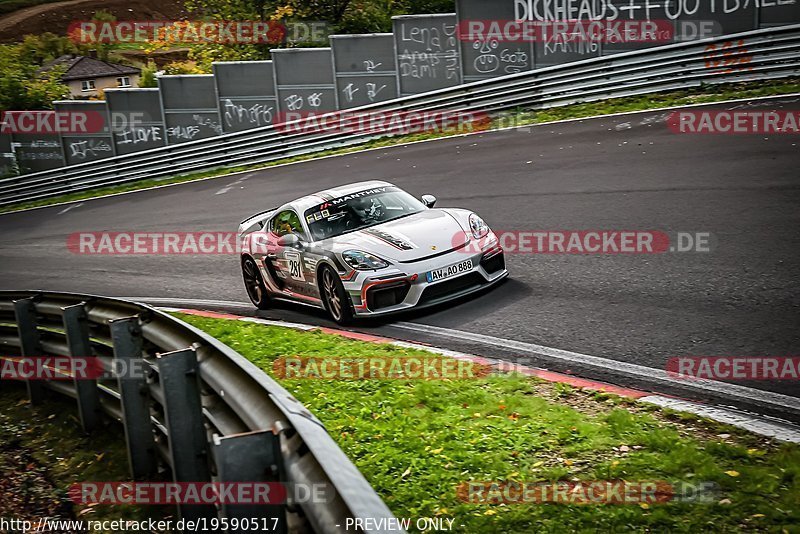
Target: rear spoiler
(246,225)
(259,214)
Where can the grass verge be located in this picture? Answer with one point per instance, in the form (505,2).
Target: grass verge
(416,441)
(705,94)
(43,451)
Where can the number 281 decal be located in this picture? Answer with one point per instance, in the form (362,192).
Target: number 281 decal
(295,266)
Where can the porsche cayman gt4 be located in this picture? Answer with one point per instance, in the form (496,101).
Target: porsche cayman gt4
(367,249)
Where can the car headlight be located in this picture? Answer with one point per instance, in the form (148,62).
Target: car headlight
(477,226)
(363,261)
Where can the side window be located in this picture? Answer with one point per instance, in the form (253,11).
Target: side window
(287,222)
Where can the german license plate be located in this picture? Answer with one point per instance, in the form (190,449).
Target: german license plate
(450,271)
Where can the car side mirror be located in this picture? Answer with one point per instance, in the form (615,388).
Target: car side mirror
(429,200)
(290,241)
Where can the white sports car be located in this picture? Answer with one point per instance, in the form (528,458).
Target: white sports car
(367,249)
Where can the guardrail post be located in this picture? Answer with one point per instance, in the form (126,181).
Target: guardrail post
(76,326)
(126,335)
(25,312)
(188,443)
(252,457)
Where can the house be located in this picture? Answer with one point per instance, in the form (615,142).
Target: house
(87,75)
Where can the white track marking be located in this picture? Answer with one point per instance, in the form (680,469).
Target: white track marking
(284,324)
(189,302)
(436,350)
(232,185)
(630,369)
(70,207)
(757,424)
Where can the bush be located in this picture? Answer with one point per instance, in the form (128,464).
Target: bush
(148,77)
(21,85)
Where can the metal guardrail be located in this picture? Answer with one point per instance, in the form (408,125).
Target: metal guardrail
(203,410)
(756,55)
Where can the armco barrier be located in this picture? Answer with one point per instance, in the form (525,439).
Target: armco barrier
(203,410)
(756,55)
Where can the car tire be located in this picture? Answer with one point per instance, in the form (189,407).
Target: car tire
(254,284)
(334,297)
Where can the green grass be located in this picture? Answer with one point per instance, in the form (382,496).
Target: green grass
(43,451)
(519,117)
(416,441)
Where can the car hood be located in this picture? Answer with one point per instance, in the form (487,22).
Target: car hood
(411,238)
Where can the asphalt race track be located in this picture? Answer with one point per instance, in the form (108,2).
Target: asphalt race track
(620,173)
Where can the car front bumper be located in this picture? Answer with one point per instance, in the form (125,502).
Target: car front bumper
(404,286)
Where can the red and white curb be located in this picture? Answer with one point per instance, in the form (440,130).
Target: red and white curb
(752,423)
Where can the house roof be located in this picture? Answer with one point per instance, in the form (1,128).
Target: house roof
(87,68)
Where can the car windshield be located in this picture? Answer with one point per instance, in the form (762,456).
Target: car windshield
(360,210)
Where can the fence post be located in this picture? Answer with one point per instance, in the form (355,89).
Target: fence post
(76,326)
(126,335)
(183,410)
(25,312)
(252,457)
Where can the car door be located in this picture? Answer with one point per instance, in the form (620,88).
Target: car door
(288,263)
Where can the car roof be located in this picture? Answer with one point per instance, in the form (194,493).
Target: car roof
(309,201)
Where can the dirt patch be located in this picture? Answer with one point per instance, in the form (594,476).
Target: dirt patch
(26,492)
(56,17)
(43,451)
